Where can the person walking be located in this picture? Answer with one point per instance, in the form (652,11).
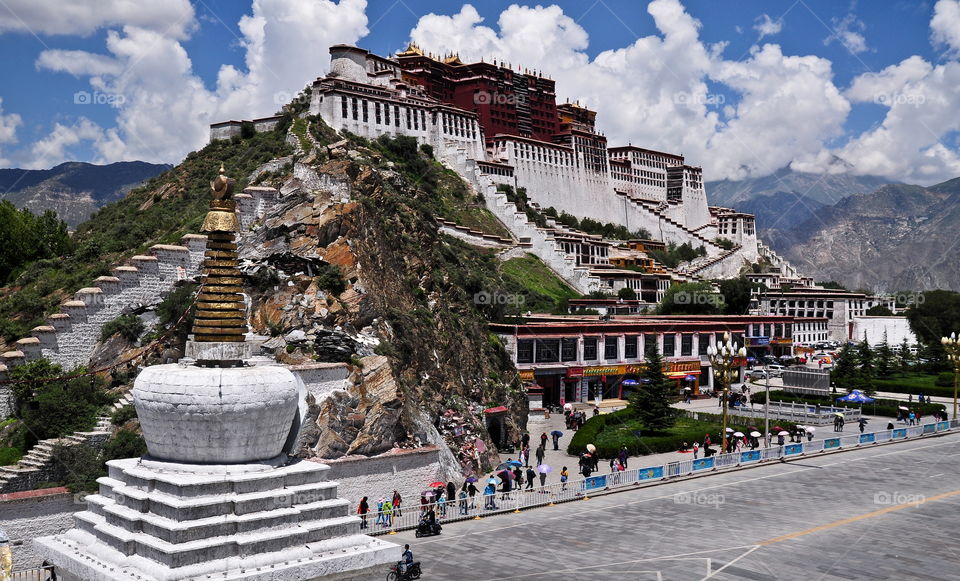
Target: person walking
(696,450)
(381,516)
(396,504)
(463,501)
(622,455)
(525,440)
(387,513)
(543,440)
(863,423)
(540,453)
(451,492)
(472,491)
(518,476)
(530,476)
(543,479)
(489,495)
(362,510)
(564,475)
(556,441)
(526,455)
(442,503)
(522,458)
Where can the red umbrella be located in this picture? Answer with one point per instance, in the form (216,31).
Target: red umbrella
(436,484)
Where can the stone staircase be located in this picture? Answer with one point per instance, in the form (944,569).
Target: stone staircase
(36,467)
(786,269)
(651,213)
(725,265)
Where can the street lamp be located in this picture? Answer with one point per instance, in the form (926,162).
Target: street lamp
(722,359)
(952,346)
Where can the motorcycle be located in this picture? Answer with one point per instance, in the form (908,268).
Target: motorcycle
(425,529)
(412,572)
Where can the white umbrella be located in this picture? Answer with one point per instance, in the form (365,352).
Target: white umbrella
(811,429)
(784,434)
(568,406)
(738,434)
(904,408)
(591,448)
(756,434)
(799,427)
(729,429)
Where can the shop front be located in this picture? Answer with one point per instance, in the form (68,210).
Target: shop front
(552,385)
(686,374)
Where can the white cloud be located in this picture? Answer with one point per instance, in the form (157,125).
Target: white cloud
(766,26)
(8,131)
(53,148)
(164,109)
(174,18)
(945,25)
(849,32)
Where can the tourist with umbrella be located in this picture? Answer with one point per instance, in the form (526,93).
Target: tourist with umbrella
(489,494)
(755,439)
(863,424)
(780,440)
(543,469)
(472,490)
(556,438)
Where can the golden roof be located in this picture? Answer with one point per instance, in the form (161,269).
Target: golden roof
(411,50)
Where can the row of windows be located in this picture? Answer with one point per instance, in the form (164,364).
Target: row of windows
(360,109)
(770,329)
(565,349)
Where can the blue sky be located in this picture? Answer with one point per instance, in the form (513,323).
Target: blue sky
(800,82)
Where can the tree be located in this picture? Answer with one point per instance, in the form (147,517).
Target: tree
(866,360)
(845,373)
(936,314)
(831,284)
(691,298)
(627,294)
(905,357)
(885,358)
(879,311)
(652,400)
(736,294)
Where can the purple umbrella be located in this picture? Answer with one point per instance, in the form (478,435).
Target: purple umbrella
(544,469)
(472,479)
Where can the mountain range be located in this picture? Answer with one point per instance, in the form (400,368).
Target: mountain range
(74,189)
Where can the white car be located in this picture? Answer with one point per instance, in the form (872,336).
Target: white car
(775,370)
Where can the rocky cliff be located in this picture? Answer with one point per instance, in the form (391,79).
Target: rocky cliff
(350,266)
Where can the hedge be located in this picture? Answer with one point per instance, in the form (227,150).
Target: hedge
(610,432)
(916,385)
(882,407)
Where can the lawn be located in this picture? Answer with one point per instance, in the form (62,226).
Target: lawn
(917,383)
(881,407)
(541,289)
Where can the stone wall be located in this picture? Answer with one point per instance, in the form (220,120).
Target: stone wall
(321,379)
(28,515)
(407,471)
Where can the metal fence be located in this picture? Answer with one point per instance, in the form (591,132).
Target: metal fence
(580,489)
(800,413)
(807,378)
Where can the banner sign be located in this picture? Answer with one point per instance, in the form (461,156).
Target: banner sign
(595,482)
(650,473)
(867,438)
(750,456)
(942,426)
(901,433)
(703,463)
(831,443)
(791,449)
(929,428)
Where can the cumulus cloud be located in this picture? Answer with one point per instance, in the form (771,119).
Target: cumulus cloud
(164,109)
(8,131)
(174,18)
(54,148)
(767,26)
(848,31)
(945,25)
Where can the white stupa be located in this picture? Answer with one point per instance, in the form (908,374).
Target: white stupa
(217,497)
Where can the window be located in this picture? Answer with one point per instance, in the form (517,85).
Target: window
(396,115)
(386,114)
(589,348)
(669,344)
(525,351)
(610,350)
(365,117)
(353,107)
(423,120)
(686,344)
(548,350)
(408,118)
(703,344)
(630,346)
(376,107)
(649,342)
(343,107)
(568,349)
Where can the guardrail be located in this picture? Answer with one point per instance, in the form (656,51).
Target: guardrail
(36,574)
(529,497)
(800,413)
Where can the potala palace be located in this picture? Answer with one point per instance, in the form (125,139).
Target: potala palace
(498,127)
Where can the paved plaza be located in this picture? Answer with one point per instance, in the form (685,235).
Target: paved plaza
(883,512)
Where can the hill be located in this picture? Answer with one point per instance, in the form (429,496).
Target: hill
(74,190)
(828,188)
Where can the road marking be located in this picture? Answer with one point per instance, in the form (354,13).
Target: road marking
(858,518)
(731,563)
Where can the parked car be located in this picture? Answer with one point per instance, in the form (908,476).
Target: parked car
(775,370)
(758,374)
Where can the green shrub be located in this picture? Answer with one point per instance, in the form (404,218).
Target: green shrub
(78,466)
(124,444)
(627,294)
(10,456)
(945,379)
(129,327)
(881,407)
(123,415)
(329,279)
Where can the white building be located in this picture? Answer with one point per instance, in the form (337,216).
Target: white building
(896,329)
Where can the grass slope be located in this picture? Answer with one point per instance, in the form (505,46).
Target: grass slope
(541,289)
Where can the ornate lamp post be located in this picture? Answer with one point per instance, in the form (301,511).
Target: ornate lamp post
(952,346)
(723,362)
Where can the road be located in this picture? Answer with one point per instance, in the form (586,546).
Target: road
(884,512)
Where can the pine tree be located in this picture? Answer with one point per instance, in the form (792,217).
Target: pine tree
(868,370)
(906,357)
(845,373)
(652,400)
(885,358)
